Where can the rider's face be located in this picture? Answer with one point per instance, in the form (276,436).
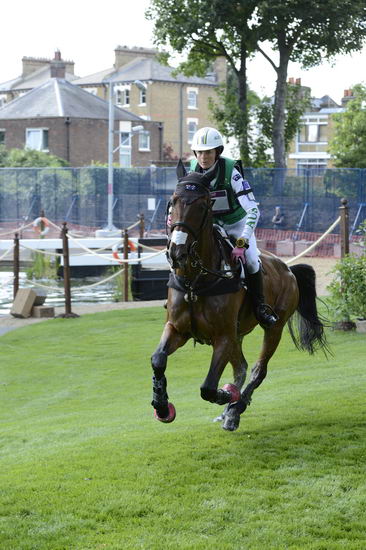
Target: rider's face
(206,159)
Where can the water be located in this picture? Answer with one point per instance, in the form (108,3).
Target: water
(103,293)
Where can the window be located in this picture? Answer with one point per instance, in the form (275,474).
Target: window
(192,129)
(36,138)
(192,99)
(2,100)
(144,141)
(123,97)
(313,132)
(2,137)
(125,150)
(142,97)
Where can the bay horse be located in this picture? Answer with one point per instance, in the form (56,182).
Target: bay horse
(208,301)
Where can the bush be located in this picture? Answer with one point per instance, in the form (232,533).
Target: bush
(348,289)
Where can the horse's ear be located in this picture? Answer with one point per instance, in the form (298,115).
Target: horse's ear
(181,171)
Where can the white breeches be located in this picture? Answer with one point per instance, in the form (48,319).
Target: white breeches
(252,253)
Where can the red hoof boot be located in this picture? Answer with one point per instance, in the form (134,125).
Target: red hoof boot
(171,416)
(234,390)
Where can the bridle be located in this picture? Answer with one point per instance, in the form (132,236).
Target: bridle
(195,259)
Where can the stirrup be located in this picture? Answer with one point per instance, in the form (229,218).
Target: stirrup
(266,316)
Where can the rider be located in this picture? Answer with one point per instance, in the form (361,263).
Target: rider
(235,209)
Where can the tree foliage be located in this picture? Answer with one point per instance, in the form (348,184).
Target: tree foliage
(28,158)
(306,31)
(348,146)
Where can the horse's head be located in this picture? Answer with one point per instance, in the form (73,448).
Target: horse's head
(189,212)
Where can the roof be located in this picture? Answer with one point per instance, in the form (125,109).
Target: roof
(34,79)
(58,98)
(143,69)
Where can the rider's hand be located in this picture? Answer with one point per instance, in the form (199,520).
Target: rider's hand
(238,253)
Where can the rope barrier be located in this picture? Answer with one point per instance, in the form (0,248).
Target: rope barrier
(6,252)
(114,259)
(334,224)
(45,252)
(16,230)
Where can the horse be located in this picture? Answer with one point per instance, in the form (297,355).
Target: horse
(208,301)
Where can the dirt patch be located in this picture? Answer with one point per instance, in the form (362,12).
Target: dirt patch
(323,268)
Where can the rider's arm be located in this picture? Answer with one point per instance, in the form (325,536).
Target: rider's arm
(244,195)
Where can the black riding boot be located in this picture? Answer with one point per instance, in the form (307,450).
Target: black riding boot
(263,312)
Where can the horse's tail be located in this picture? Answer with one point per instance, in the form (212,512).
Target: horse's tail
(305,326)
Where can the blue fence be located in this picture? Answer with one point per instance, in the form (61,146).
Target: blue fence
(308,201)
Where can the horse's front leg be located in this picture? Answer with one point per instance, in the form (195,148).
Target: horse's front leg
(169,342)
(223,350)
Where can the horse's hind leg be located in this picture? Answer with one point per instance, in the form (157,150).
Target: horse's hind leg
(271,340)
(169,342)
(240,367)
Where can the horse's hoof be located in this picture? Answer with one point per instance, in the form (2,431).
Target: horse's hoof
(231,422)
(171,416)
(233,390)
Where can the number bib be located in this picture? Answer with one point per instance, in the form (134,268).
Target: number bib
(220,202)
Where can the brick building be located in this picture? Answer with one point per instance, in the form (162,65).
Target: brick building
(66,121)
(151,90)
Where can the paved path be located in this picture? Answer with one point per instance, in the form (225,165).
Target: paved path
(8,322)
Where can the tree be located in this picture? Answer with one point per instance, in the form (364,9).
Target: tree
(348,146)
(227,114)
(297,101)
(28,158)
(306,31)
(207,29)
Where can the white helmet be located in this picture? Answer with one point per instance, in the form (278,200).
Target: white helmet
(205,139)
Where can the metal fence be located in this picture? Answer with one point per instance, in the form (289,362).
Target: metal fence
(309,201)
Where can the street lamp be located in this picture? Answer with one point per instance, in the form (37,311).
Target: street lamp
(110,230)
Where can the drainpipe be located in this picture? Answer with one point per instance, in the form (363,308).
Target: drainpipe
(67,124)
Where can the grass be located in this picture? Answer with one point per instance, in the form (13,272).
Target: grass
(85,466)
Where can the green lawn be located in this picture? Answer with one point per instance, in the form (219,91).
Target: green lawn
(85,466)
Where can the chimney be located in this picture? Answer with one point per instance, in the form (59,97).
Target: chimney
(298,82)
(57,55)
(347,95)
(291,80)
(124,54)
(57,67)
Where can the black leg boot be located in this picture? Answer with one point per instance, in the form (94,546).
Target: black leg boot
(263,312)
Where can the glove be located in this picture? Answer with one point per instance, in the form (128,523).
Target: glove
(238,254)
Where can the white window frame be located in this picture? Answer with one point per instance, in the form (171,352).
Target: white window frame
(191,132)
(123,95)
(41,142)
(144,146)
(192,98)
(125,148)
(312,126)
(143,94)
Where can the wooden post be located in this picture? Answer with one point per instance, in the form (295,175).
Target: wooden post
(142,225)
(16,265)
(344,227)
(67,285)
(125,266)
